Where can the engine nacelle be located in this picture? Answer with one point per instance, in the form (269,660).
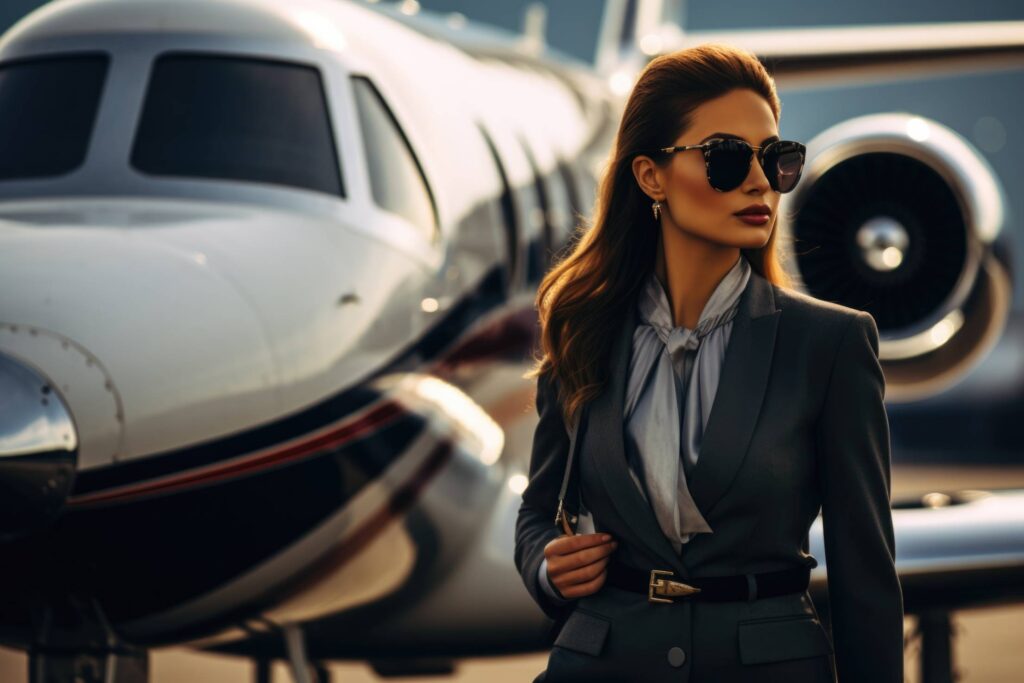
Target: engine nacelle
(900,216)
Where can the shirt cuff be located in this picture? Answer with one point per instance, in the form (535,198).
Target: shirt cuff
(547,587)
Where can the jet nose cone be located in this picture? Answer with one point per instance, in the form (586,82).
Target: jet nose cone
(38,450)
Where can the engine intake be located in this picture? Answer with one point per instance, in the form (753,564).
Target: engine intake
(900,216)
(38,450)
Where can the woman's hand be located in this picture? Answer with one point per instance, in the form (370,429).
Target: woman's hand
(576,564)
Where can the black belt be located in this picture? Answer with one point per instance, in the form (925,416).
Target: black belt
(661,586)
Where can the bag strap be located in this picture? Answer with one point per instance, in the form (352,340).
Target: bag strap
(563,519)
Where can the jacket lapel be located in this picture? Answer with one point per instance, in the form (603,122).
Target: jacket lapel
(741,388)
(726,436)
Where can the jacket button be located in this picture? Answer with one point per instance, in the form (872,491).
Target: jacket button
(676,656)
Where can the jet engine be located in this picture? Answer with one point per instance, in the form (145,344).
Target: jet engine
(902,217)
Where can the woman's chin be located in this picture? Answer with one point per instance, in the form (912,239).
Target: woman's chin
(750,237)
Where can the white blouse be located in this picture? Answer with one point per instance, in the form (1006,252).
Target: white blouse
(672,381)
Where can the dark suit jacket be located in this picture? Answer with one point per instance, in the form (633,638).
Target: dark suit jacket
(798,426)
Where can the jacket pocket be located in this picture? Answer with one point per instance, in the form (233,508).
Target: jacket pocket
(584,632)
(775,639)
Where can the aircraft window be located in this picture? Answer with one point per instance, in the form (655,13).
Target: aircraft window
(543,217)
(568,177)
(397,180)
(541,250)
(508,207)
(47,110)
(248,119)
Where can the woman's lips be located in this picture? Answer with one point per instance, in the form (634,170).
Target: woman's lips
(753,218)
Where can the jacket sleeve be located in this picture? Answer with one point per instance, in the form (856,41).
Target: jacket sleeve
(865,598)
(535,523)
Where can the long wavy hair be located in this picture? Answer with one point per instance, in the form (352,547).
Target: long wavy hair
(585,296)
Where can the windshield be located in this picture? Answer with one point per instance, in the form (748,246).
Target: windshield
(47,112)
(248,119)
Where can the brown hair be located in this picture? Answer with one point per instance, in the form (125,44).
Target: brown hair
(584,297)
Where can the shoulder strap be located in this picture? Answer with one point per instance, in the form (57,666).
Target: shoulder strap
(567,521)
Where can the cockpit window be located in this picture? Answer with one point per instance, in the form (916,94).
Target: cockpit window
(247,119)
(47,110)
(397,181)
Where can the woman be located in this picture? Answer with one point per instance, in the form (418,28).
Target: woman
(721,411)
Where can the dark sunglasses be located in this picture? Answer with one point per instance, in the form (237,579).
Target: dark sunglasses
(728,162)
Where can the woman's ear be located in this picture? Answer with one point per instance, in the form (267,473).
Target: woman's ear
(648,177)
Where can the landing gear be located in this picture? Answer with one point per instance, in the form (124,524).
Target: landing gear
(295,645)
(74,642)
(936,631)
(298,662)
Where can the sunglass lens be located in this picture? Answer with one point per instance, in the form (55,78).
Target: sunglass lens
(784,163)
(728,164)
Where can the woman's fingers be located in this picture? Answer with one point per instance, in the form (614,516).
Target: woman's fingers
(586,548)
(583,574)
(580,590)
(576,564)
(564,545)
(573,559)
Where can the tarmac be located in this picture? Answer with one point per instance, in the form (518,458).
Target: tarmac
(989,644)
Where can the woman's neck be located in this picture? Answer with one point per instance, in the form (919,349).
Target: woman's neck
(690,269)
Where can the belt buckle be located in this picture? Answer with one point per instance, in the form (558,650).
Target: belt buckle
(667,587)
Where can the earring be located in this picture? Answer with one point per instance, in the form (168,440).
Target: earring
(656,208)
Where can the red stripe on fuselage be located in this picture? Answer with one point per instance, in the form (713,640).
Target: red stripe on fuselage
(357,428)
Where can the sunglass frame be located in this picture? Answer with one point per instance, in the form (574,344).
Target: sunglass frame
(709,145)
